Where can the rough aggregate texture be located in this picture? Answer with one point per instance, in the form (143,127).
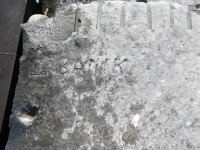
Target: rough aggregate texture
(181,2)
(109,76)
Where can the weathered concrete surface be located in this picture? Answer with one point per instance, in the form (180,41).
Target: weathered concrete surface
(181,2)
(128,78)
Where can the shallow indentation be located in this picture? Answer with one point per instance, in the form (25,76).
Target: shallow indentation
(197,6)
(78,64)
(31,110)
(80,43)
(28,114)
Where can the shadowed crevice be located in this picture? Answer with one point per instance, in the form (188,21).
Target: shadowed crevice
(144,1)
(8,111)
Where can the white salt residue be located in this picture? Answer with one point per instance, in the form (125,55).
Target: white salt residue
(135,120)
(65,134)
(26,120)
(188,123)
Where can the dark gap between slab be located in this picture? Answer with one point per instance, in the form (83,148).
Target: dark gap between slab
(31,8)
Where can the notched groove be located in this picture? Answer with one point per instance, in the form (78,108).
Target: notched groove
(149,17)
(171,12)
(189,20)
(122,17)
(99,14)
(76,20)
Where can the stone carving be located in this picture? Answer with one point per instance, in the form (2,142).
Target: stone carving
(38,69)
(121,75)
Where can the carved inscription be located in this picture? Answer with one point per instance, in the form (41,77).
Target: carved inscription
(91,65)
(63,63)
(78,65)
(37,67)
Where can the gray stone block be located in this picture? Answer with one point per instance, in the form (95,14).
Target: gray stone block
(109,76)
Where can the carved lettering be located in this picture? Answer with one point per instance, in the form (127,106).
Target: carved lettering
(38,68)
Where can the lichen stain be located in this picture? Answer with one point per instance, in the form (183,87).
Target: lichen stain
(86,85)
(136,108)
(131,135)
(102,132)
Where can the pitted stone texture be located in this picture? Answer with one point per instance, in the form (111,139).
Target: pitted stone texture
(128,78)
(181,2)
